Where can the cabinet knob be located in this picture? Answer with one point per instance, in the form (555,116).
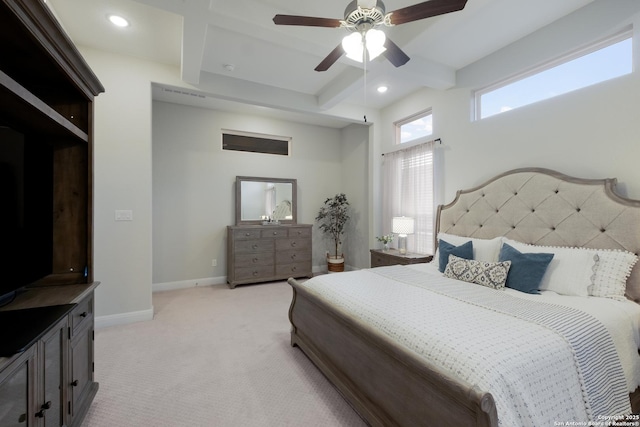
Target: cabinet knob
(275,233)
(255,273)
(43,408)
(255,246)
(74,383)
(294,268)
(293,244)
(247,234)
(293,256)
(83,314)
(255,260)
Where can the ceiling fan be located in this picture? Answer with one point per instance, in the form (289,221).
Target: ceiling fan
(361,18)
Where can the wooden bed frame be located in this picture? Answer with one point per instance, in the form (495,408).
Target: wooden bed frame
(388,385)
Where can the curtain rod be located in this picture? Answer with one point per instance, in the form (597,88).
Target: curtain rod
(438,140)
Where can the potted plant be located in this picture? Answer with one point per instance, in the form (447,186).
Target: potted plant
(332,217)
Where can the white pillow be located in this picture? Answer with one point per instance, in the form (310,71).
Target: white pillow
(613,267)
(570,272)
(485,250)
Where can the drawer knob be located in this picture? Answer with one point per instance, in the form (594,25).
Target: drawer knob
(294,268)
(247,234)
(255,246)
(275,233)
(293,244)
(293,256)
(83,314)
(255,260)
(255,273)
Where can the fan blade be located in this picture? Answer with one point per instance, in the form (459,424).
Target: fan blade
(307,21)
(394,54)
(331,58)
(426,9)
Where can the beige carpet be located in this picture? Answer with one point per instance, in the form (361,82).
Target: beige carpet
(213,356)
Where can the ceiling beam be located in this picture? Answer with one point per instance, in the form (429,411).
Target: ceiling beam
(428,73)
(194,35)
(341,87)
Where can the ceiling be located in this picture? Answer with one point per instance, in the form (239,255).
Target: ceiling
(233,57)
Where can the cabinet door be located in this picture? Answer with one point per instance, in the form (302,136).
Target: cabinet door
(81,363)
(17,389)
(53,357)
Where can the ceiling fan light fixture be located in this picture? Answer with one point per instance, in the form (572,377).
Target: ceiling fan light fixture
(375,39)
(353,45)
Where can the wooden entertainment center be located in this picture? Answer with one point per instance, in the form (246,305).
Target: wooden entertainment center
(46,96)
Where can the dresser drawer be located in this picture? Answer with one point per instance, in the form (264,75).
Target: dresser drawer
(259,258)
(295,269)
(246,234)
(254,272)
(81,315)
(273,233)
(253,246)
(299,232)
(289,244)
(286,257)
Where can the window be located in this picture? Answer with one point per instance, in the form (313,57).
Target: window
(602,61)
(255,143)
(414,128)
(408,190)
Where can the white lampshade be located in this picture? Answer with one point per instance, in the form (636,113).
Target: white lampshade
(353,45)
(402,225)
(374,39)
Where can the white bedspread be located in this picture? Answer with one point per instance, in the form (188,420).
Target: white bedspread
(534,374)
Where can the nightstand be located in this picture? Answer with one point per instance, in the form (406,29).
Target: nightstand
(380,258)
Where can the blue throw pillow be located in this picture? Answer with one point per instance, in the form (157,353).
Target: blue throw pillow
(526,270)
(463,251)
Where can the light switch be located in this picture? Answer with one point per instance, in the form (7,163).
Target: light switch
(124,215)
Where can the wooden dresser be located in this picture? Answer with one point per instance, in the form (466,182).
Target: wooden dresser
(261,253)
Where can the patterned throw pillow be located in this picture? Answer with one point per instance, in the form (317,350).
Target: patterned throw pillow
(612,269)
(489,274)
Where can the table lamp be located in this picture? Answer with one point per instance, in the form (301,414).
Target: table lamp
(402,225)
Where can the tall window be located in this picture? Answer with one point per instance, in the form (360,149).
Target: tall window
(415,128)
(408,190)
(605,60)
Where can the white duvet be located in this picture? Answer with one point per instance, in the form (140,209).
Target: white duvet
(532,371)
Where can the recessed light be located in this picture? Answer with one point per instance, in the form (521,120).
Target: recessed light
(118,21)
(382,89)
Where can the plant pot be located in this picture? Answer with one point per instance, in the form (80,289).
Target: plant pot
(335,264)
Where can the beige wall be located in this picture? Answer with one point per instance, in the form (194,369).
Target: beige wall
(591,133)
(193,185)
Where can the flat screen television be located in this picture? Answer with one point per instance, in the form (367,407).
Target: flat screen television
(26,210)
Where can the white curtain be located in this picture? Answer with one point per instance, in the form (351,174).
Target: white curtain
(408,189)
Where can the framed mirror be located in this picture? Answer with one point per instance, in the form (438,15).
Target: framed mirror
(262,199)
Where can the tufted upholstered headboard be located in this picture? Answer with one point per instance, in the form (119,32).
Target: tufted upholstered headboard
(544,207)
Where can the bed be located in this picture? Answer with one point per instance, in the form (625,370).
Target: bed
(407,346)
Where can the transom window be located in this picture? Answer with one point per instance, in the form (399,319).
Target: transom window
(415,128)
(599,62)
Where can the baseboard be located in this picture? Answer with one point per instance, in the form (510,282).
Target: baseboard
(184,284)
(123,318)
